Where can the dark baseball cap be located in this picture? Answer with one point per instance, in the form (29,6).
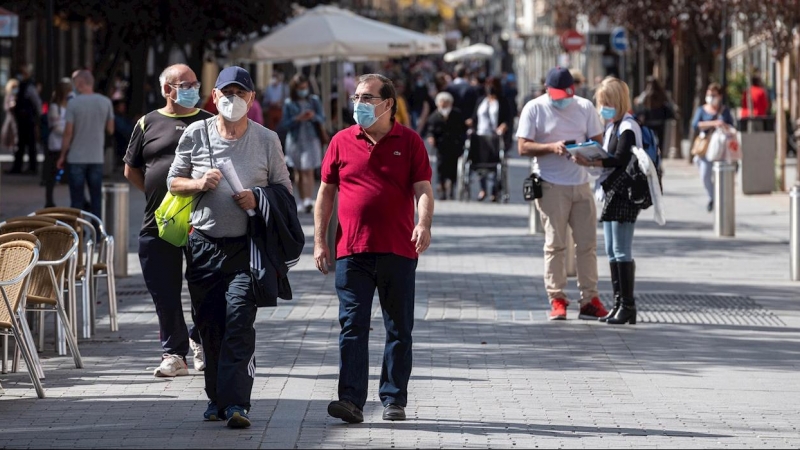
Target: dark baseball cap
(234,75)
(560,83)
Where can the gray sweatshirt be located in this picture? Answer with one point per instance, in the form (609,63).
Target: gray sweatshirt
(257,157)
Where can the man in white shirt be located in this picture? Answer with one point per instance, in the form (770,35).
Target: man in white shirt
(546,125)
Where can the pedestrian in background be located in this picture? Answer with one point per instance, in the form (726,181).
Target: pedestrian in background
(492,118)
(275,95)
(256,114)
(653,108)
(446,130)
(379,168)
(760,99)
(707,118)
(8,133)
(218,254)
(420,103)
(57,120)
(465,96)
(90,116)
(147,161)
(303,119)
(27,111)
(619,212)
(546,124)
(403,116)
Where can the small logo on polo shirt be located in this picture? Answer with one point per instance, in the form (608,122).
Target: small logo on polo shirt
(396,153)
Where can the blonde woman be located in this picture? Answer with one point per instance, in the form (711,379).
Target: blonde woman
(8,133)
(619,212)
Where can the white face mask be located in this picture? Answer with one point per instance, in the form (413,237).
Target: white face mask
(445,111)
(711,100)
(232,108)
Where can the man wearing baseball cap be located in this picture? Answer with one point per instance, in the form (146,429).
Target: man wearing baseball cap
(546,125)
(218,254)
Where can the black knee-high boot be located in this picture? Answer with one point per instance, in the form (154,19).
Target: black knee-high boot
(613,265)
(627,279)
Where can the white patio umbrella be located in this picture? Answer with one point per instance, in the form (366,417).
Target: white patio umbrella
(475,51)
(328,31)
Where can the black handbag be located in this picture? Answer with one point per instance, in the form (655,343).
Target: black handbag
(532,187)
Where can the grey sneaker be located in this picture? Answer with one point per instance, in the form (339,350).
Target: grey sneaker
(199,357)
(171,366)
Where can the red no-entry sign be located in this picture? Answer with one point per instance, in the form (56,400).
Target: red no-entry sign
(572,41)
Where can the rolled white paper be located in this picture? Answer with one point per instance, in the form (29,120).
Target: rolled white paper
(226,167)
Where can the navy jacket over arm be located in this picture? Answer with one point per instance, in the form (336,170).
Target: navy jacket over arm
(276,241)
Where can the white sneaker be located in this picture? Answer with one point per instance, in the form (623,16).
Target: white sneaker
(171,366)
(199,356)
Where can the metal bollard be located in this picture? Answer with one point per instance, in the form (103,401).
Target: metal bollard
(115,219)
(570,255)
(724,199)
(534,219)
(330,238)
(794,227)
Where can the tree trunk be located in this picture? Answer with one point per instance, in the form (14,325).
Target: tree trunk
(138,78)
(780,124)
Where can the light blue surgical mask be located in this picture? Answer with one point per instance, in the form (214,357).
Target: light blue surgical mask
(563,103)
(364,114)
(608,113)
(188,97)
(302,93)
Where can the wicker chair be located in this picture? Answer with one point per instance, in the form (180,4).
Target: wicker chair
(25,225)
(83,268)
(45,291)
(19,253)
(101,266)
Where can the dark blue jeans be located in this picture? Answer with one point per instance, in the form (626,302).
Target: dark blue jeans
(357,277)
(79,176)
(224,309)
(161,267)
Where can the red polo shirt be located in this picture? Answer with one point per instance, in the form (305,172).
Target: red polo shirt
(376,189)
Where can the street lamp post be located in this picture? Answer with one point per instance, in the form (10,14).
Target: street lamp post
(50,73)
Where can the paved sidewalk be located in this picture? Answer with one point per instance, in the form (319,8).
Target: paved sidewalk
(712,363)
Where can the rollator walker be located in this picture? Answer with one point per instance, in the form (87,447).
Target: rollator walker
(482,155)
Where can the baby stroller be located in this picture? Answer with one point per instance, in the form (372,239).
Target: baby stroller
(483,156)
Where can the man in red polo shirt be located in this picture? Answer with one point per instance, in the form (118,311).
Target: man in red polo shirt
(379,168)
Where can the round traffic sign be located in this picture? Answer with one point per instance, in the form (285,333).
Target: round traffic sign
(572,41)
(619,39)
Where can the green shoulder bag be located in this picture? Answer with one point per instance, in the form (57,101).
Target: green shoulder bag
(173,216)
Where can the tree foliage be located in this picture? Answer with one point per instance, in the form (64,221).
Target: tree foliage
(126,29)
(778,19)
(656,21)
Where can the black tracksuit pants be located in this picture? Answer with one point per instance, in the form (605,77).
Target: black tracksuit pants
(224,310)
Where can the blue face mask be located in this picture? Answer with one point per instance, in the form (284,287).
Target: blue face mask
(608,113)
(563,103)
(302,93)
(188,97)
(364,114)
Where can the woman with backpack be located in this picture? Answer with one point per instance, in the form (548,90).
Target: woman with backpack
(623,198)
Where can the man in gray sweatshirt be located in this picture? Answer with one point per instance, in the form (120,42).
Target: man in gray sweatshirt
(218,260)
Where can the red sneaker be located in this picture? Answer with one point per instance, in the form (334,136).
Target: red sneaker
(592,310)
(558,309)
